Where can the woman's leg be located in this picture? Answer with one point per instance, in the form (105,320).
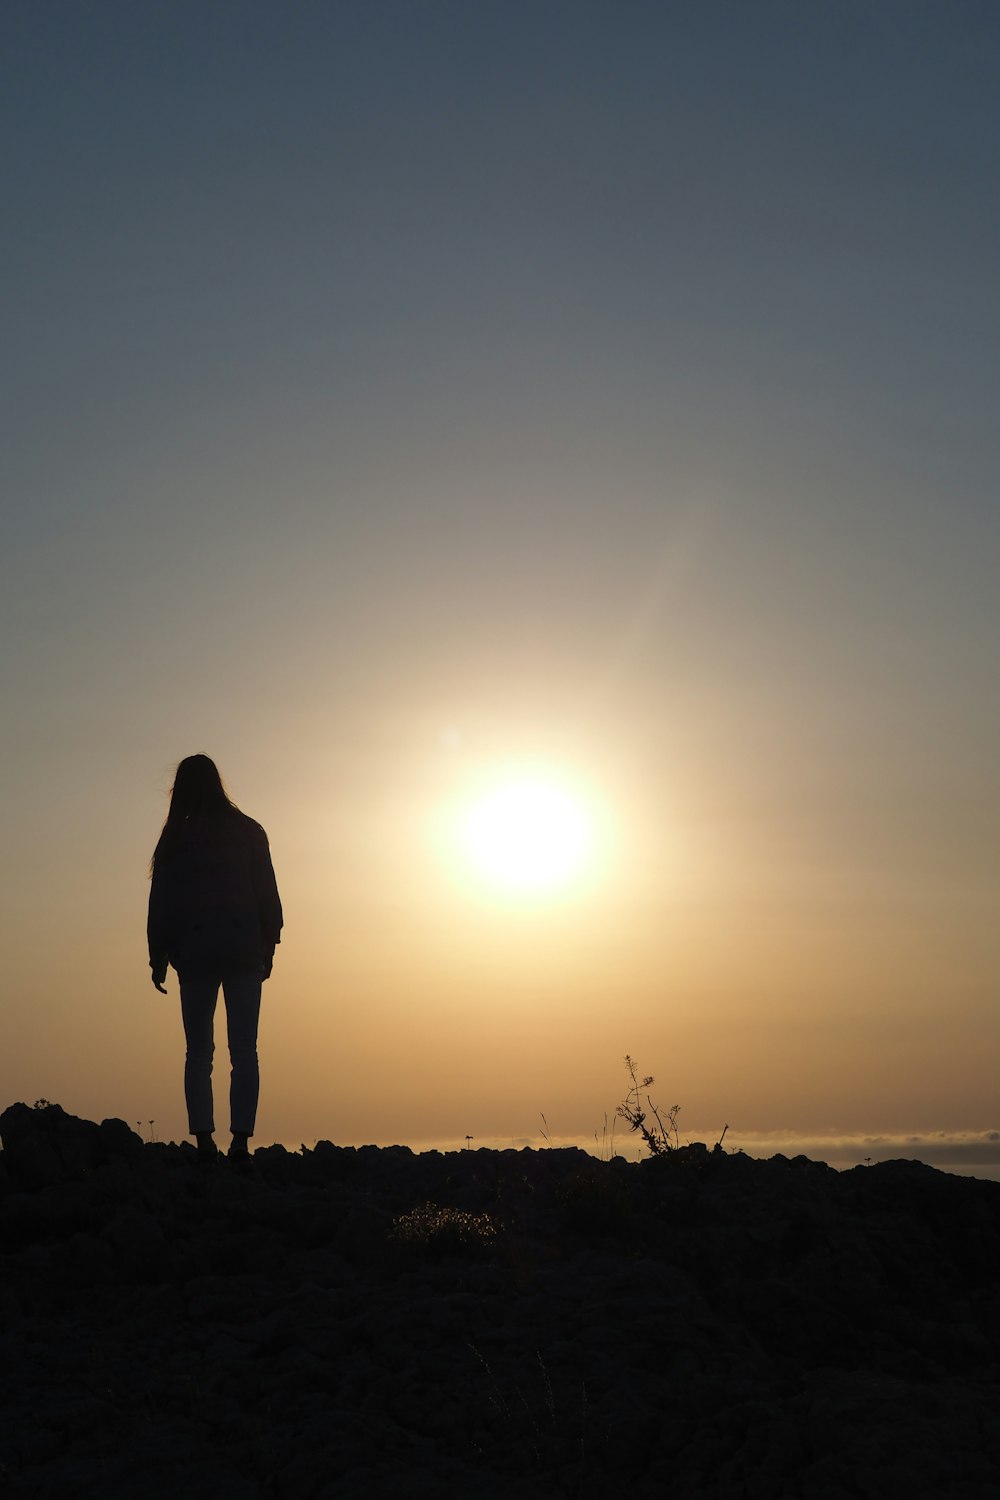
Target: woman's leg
(198,1000)
(242,992)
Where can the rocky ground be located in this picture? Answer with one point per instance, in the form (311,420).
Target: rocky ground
(344,1322)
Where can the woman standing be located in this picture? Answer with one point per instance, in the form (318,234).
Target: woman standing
(215,915)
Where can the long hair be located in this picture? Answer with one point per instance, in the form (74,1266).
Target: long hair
(197,792)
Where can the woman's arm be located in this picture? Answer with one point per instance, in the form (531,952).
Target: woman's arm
(269,913)
(156,927)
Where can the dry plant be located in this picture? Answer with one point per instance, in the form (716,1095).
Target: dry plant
(660,1137)
(542,1433)
(605,1142)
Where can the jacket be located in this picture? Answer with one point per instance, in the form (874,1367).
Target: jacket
(214,908)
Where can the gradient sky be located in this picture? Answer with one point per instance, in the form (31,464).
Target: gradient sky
(398,391)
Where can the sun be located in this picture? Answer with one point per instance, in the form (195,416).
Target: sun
(528,835)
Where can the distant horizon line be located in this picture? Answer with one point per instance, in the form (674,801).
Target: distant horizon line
(981,1147)
(961,1151)
(964,1151)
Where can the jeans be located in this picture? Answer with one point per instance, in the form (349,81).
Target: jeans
(198,1001)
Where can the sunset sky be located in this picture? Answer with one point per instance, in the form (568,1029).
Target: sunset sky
(402,400)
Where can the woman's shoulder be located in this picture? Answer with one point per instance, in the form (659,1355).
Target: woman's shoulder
(250,828)
(218,830)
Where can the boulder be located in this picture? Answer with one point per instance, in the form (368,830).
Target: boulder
(43,1145)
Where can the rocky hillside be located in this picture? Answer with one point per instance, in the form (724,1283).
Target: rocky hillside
(481,1324)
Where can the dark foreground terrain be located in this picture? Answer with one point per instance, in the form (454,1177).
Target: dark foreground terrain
(344,1322)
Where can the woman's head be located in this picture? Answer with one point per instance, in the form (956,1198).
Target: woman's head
(197,792)
(197,789)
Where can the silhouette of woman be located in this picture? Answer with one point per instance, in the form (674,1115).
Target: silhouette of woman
(215,915)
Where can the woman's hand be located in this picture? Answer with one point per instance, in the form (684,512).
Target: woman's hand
(159,975)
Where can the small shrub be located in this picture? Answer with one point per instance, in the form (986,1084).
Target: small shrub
(443,1231)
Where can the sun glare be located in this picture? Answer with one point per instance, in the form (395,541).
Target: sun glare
(528,835)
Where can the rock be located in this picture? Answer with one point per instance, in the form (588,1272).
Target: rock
(44,1145)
